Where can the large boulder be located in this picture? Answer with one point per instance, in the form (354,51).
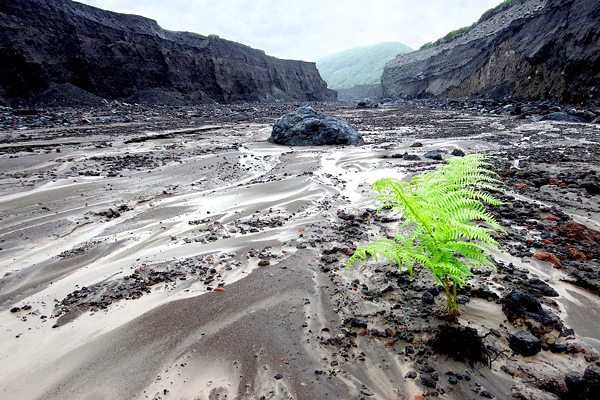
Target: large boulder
(307,127)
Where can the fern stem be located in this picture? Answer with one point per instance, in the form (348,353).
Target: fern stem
(455,301)
(451,299)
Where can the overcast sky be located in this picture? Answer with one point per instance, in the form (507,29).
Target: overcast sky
(308,29)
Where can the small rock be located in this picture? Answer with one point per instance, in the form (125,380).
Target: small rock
(367,103)
(547,257)
(365,391)
(523,342)
(591,187)
(428,298)
(356,323)
(434,155)
(523,308)
(428,382)
(411,157)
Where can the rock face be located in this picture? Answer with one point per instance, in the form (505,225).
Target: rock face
(536,49)
(46,44)
(307,127)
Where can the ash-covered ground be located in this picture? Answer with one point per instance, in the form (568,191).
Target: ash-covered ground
(161,252)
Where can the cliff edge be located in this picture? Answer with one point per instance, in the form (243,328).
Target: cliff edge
(50,43)
(536,49)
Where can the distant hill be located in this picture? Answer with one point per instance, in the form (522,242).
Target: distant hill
(358,66)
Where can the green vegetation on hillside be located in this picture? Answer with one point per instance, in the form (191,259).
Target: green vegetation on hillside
(500,7)
(358,66)
(485,16)
(449,36)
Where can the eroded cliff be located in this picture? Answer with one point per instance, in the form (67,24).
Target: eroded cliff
(45,43)
(536,49)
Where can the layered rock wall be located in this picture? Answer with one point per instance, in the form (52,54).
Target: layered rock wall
(117,56)
(536,48)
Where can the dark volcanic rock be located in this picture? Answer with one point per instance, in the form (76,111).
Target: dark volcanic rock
(523,342)
(591,187)
(411,157)
(434,155)
(367,103)
(428,382)
(584,387)
(560,116)
(461,343)
(307,127)
(45,43)
(522,308)
(542,287)
(536,49)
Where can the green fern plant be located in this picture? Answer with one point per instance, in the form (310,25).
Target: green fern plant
(446,227)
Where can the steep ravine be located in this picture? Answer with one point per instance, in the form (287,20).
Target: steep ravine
(49,46)
(536,49)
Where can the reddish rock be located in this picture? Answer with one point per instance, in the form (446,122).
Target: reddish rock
(576,254)
(547,257)
(580,232)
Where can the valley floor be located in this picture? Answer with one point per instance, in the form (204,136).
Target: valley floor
(178,254)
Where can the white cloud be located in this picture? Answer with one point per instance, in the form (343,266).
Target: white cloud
(308,29)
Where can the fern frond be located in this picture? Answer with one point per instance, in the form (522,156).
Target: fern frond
(440,209)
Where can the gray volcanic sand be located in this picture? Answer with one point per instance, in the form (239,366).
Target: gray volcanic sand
(222,198)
